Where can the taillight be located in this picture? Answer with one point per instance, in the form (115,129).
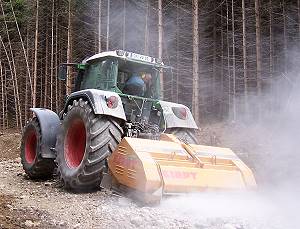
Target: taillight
(180,112)
(112,102)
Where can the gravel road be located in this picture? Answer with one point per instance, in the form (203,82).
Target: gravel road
(43,204)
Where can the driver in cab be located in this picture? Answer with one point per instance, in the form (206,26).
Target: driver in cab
(137,84)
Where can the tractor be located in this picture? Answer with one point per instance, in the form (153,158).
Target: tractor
(108,134)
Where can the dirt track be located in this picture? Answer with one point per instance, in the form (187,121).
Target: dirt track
(43,204)
(13,215)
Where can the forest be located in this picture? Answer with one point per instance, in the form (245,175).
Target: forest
(227,55)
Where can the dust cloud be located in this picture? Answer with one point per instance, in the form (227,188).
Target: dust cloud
(268,141)
(266,209)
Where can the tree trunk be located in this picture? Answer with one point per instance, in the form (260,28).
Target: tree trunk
(2,96)
(22,43)
(284,38)
(61,89)
(69,57)
(160,44)
(18,109)
(298,10)
(52,55)
(40,73)
(222,65)
(271,39)
(26,81)
(6,100)
(35,54)
(177,51)
(11,72)
(46,72)
(57,89)
(245,69)
(23,48)
(215,69)
(124,25)
(107,25)
(195,61)
(228,56)
(233,62)
(99,25)
(258,47)
(146,45)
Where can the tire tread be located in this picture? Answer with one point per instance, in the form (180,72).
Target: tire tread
(102,131)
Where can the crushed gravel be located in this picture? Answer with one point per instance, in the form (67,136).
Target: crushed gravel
(44,204)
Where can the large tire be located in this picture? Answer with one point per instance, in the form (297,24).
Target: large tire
(83,145)
(186,135)
(34,165)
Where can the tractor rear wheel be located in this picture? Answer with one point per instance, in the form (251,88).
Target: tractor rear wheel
(183,134)
(83,145)
(34,165)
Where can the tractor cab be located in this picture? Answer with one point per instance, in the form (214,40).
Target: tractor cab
(111,71)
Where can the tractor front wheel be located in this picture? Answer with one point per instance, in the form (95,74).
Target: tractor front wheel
(34,165)
(84,143)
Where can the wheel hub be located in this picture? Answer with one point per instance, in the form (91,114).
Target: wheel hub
(75,142)
(30,146)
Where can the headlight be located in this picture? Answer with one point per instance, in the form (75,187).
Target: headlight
(112,102)
(180,112)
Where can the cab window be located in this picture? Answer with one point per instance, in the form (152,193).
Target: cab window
(100,75)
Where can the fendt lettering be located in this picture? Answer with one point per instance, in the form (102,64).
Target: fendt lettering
(179,174)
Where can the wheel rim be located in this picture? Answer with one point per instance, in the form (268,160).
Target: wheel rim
(75,141)
(30,146)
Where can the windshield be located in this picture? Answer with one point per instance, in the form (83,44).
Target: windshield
(123,77)
(138,79)
(143,84)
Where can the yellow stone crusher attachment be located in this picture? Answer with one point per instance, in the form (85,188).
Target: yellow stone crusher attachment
(152,168)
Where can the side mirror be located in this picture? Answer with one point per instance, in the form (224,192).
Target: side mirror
(62,72)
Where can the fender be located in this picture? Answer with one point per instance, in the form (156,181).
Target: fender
(172,120)
(50,124)
(97,99)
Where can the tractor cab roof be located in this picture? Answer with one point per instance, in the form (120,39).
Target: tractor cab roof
(128,57)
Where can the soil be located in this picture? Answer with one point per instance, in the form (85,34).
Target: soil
(10,144)
(13,217)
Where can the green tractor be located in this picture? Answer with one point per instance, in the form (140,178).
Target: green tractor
(99,113)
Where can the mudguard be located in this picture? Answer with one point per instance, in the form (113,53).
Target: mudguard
(172,121)
(97,99)
(49,123)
